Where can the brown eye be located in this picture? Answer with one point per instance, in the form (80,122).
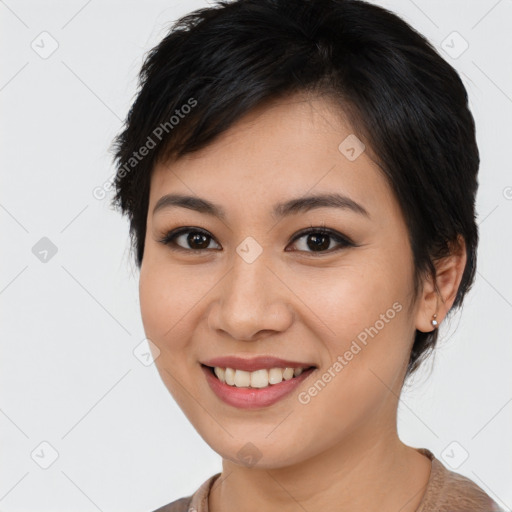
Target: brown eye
(188,239)
(319,240)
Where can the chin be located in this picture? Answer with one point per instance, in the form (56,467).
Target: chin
(253,452)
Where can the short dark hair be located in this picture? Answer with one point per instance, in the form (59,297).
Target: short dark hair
(405,101)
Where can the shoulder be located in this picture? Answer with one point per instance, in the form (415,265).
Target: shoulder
(460,493)
(197,502)
(448,491)
(181,505)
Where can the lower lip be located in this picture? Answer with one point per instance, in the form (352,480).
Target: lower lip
(252,398)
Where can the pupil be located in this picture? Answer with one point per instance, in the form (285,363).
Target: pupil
(193,238)
(319,242)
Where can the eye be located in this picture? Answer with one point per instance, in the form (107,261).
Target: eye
(197,239)
(319,240)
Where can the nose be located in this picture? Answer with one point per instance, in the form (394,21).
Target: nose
(251,302)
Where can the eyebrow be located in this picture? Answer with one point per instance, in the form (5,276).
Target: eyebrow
(280,210)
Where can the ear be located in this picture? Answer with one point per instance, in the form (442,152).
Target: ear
(449,270)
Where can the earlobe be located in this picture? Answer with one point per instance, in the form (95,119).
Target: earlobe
(428,306)
(439,295)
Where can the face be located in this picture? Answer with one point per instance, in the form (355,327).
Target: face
(254,283)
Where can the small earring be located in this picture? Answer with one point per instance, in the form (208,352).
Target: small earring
(434,322)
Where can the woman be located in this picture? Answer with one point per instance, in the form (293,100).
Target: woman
(300,179)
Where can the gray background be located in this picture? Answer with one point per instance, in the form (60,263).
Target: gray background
(69,376)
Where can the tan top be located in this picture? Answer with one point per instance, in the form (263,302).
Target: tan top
(446,491)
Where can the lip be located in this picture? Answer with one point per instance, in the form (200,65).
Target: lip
(255,363)
(253,398)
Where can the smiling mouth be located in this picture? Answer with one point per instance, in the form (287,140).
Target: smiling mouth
(258,379)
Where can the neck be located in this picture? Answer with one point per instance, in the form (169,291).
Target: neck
(364,472)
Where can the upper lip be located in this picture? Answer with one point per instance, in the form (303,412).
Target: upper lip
(253,364)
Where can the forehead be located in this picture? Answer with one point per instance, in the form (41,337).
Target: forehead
(286,148)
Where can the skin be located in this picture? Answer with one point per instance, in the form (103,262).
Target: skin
(341,450)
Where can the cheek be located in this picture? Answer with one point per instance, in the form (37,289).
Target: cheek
(352,297)
(361,310)
(151,301)
(171,295)
(161,307)
(164,306)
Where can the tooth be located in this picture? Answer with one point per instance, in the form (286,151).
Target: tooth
(275,375)
(230,376)
(260,379)
(242,379)
(221,373)
(257,379)
(288,373)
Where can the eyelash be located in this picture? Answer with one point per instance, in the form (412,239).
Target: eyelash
(169,239)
